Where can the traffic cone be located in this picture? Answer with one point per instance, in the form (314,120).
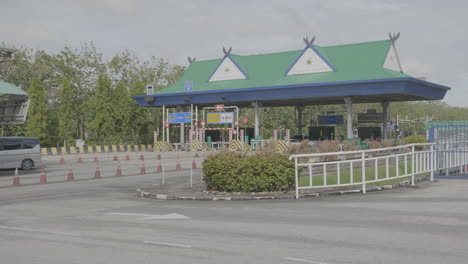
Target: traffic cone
(159,167)
(194,164)
(178,167)
(142,169)
(97,174)
(116,158)
(80,159)
(16,180)
(127,157)
(118,171)
(43,179)
(141,156)
(70,176)
(62,160)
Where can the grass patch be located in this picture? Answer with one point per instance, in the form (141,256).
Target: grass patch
(345,174)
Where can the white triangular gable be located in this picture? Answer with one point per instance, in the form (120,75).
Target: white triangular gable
(392,62)
(309,62)
(227,70)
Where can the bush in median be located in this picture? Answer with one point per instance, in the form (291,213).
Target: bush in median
(238,172)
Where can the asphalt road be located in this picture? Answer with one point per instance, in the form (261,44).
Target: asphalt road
(102,221)
(57,172)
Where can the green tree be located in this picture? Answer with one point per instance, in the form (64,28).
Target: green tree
(66,115)
(36,125)
(104,122)
(123,103)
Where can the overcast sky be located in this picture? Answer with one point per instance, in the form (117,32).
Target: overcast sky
(433,42)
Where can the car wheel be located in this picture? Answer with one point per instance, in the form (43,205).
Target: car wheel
(27,164)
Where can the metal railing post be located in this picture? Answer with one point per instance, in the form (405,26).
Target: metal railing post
(413,165)
(363,168)
(432,159)
(296,177)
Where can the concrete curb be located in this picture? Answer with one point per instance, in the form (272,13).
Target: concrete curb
(146,194)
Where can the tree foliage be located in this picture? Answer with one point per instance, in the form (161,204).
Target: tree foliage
(66,114)
(86,95)
(36,125)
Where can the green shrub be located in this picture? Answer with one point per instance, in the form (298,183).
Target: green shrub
(239,172)
(414,139)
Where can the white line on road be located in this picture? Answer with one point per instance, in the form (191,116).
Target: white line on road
(172,216)
(303,260)
(39,231)
(166,244)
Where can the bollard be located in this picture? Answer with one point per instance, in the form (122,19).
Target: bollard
(194,164)
(142,169)
(159,156)
(16,180)
(70,176)
(127,157)
(118,171)
(116,158)
(62,160)
(159,167)
(196,155)
(142,158)
(96,159)
(97,174)
(43,179)
(80,159)
(191,178)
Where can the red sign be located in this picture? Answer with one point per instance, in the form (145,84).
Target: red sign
(195,124)
(219,107)
(202,123)
(166,125)
(236,123)
(234,132)
(245,120)
(166,122)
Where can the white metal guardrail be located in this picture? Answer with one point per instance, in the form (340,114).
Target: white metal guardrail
(345,168)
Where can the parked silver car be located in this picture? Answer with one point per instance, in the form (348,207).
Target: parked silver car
(20,152)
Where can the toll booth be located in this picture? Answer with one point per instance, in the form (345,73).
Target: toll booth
(322,133)
(369,132)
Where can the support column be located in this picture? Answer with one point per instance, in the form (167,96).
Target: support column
(300,111)
(349,118)
(257,106)
(384,119)
(163,123)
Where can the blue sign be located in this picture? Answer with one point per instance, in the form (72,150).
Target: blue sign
(188,86)
(176,118)
(331,120)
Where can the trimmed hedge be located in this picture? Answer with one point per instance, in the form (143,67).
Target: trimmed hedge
(238,172)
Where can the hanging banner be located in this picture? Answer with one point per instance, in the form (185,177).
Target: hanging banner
(220,118)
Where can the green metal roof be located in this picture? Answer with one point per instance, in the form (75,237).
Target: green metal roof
(352,62)
(430,124)
(7,88)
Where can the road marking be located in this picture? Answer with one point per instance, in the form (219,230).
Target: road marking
(303,260)
(172,216)
(40,231)
(166,244)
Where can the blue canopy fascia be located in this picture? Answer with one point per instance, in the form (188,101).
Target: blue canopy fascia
(364,91)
